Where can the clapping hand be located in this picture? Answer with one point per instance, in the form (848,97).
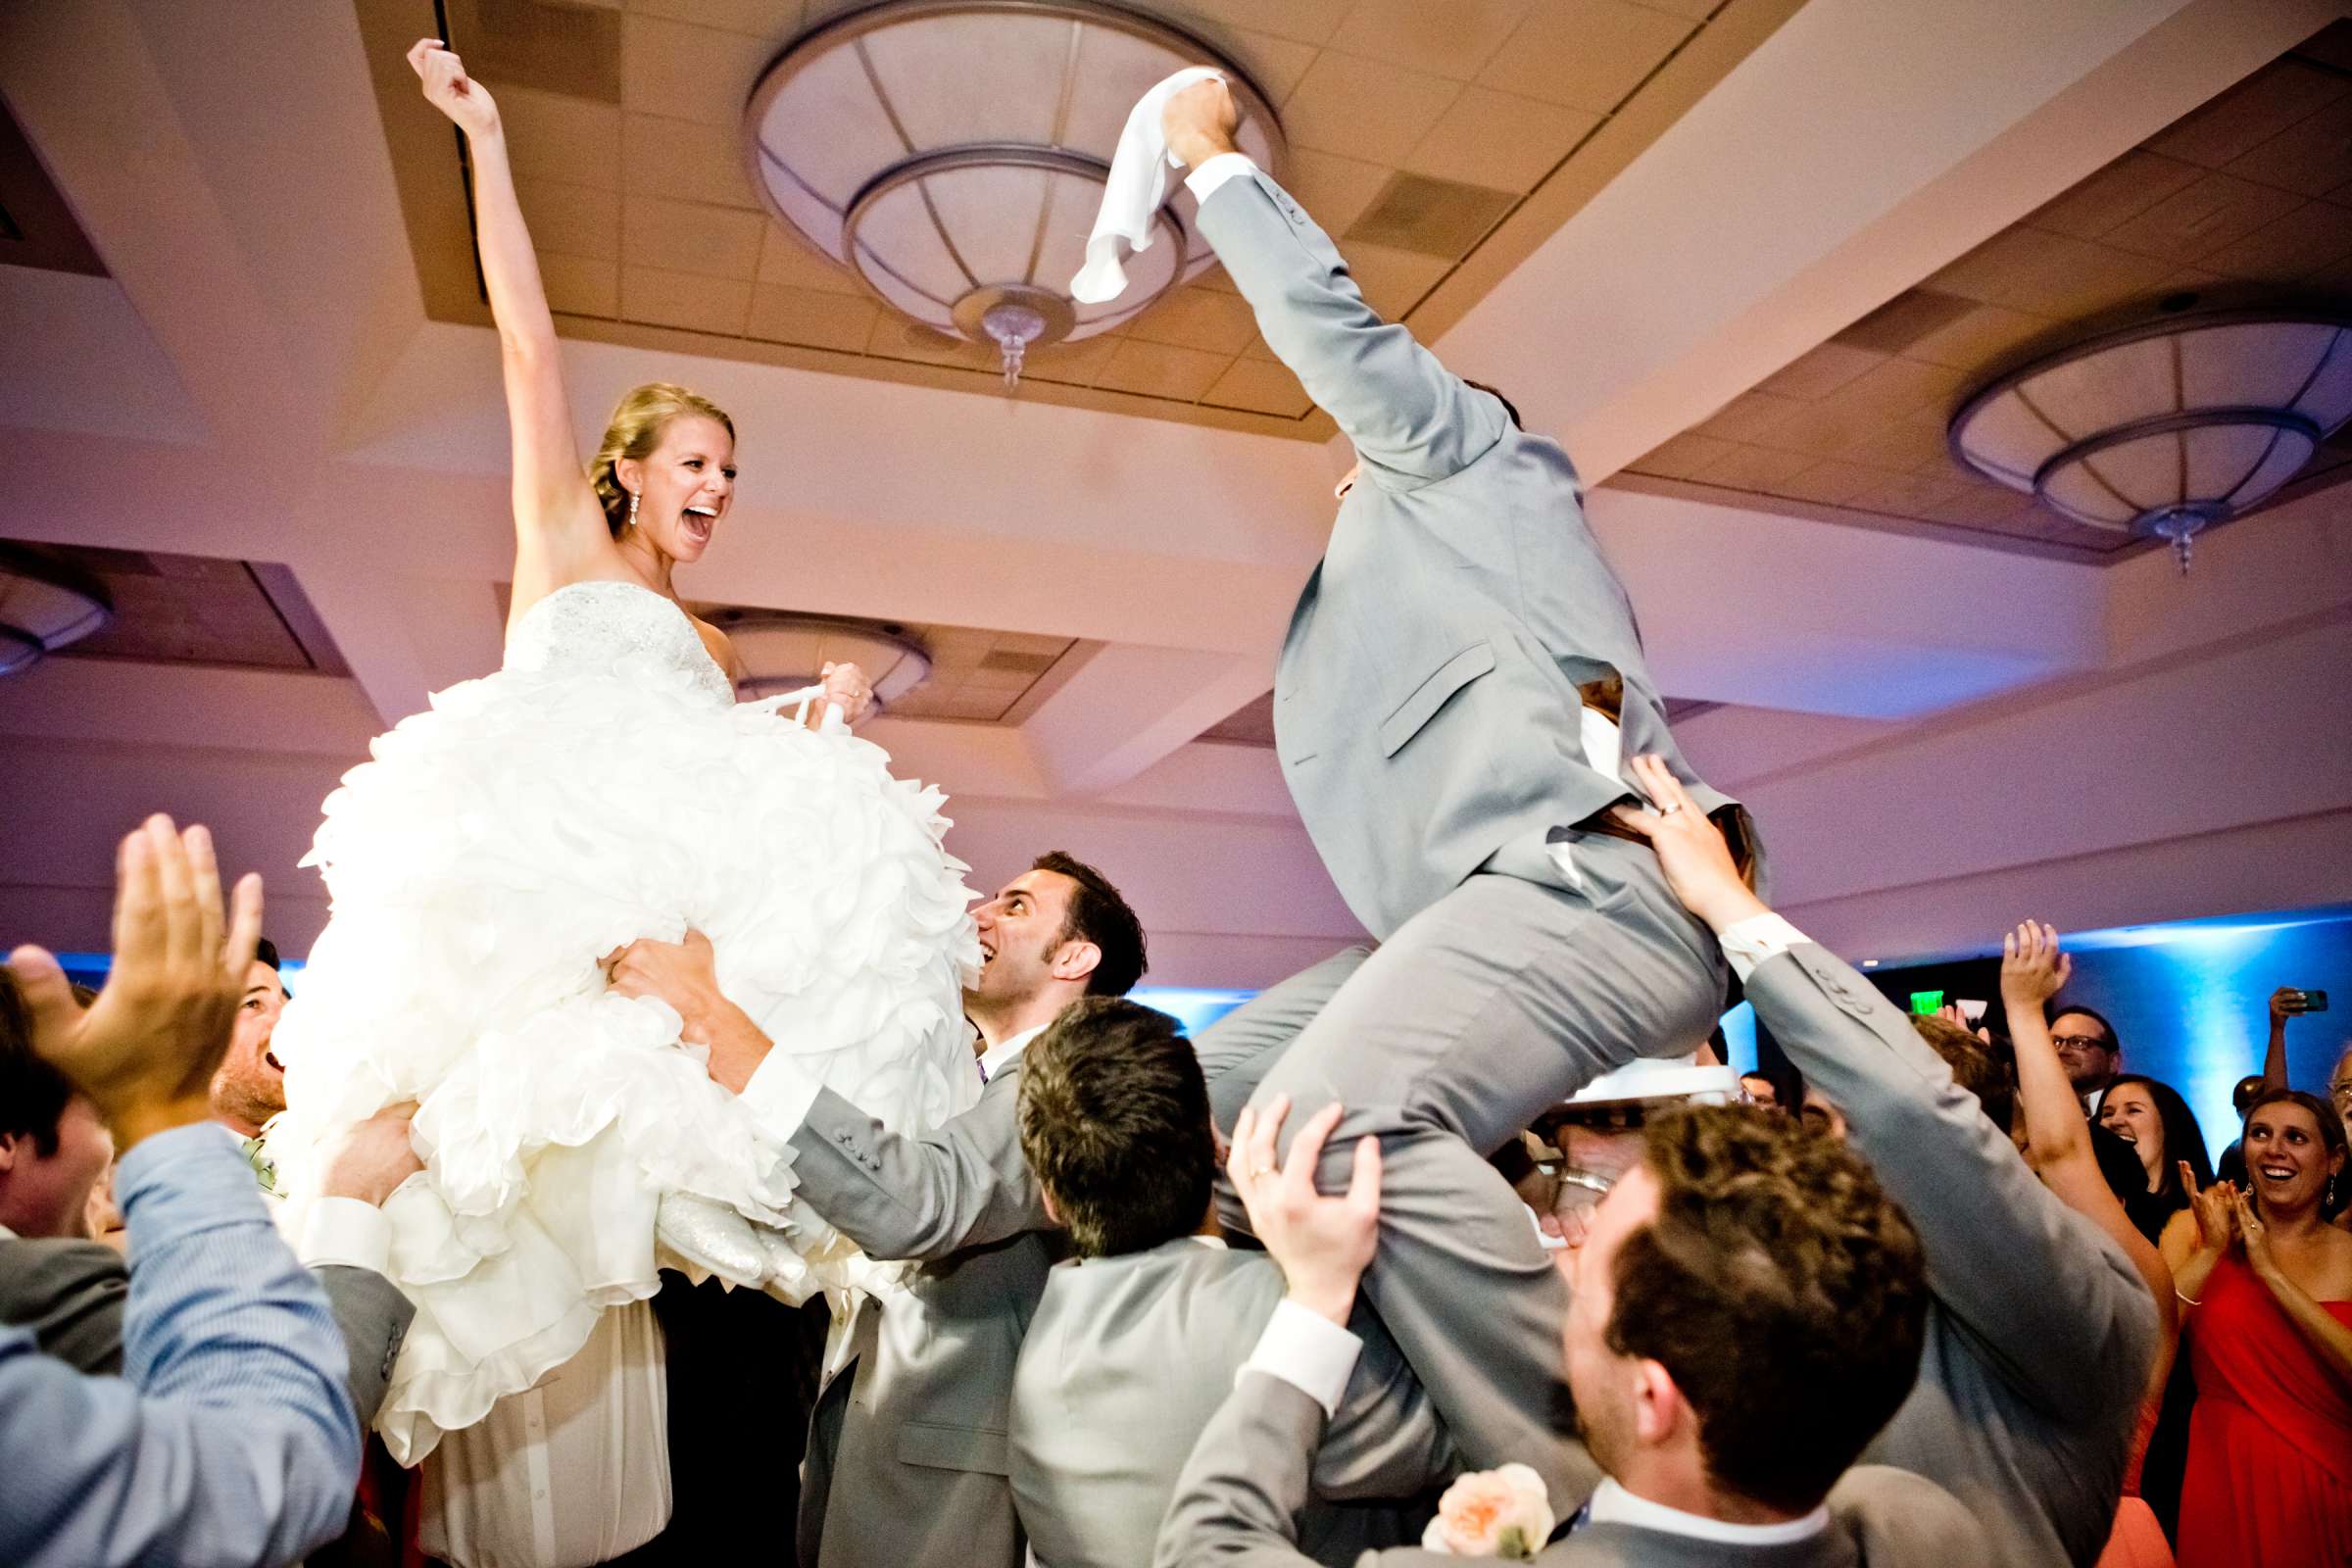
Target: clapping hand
(449,89)
(2253,1233)
(2214,1210)
(146,1050)
(2032,969)
(1323,1245)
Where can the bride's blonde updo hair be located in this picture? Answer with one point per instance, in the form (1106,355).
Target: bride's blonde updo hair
(638,422)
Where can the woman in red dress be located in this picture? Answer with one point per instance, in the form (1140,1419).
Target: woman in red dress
(2269,1295)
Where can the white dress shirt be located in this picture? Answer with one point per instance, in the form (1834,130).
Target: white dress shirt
(994,1058)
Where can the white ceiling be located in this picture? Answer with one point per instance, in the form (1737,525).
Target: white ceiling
(256,380)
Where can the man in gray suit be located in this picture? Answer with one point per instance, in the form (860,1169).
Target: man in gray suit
(1137,1340)
(907,1461)
(1458,679)
(2040,1332)
(1746,1313)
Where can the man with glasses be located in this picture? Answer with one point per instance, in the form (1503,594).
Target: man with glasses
(2339,1088)
(2090,1052)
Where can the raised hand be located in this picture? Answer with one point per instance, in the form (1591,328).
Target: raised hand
(847,688)
(1697,863)
(2285,1002)
(449,89)
(146,1050)
(1322,1244)
(1199,122)
(2032,969)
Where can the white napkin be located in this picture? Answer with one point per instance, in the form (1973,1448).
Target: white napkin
(1138,184)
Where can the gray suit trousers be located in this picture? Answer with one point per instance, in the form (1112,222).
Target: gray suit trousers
(1490,1006)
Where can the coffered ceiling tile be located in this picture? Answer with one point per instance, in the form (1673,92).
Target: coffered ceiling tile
(697,304)
(1440,218)
(1586,54)
(1686,457)
(554,48)
(1257,349)
(1980,339)
(1753,468)
(894,337)
(1260,387)
(2115,194)
(1980,507)
(684,161)
(2251,112)
(690,237)
(2193,223)
(1829,482)
(1749,416)
(1161,370)
(2049,275)
(1897,387)
(1821,371)
(1500,141)
(2309,157)
(1696,10)
(1307,20)
(561,140)
(1907,496)
(1365,109)
(688,73)
(1904,319)
(1275,62)
(1393,281)
(1906,444)
(1197,319)
(786,260)
(781,313)
(1828,429)
(1070,364)
(1334,190)
(575,220)
(1213,278)
(2302,244)
(580,285)
(1453,40)
(772,19)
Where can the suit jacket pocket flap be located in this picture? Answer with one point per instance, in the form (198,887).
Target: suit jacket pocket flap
(1429,696)
(942,1448)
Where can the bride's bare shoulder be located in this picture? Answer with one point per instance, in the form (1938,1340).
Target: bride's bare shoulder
(722,652)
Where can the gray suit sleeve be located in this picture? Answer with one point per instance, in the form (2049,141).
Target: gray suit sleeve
(2056,1305)
(923,1197)
(1413,420)
(70,1295)
(1238,1499)
(374,1317)
(1388,1439)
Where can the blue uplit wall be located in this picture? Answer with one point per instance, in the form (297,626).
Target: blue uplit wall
(1194,1009)
(2191,1000)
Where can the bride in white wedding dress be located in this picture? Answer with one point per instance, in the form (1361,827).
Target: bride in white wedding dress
(601,787)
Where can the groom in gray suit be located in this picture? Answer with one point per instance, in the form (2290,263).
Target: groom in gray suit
(1460,678)
(1747,1311)
(1136,1341)
(907,1461)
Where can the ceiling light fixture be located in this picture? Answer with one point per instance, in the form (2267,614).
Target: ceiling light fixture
(950,154)
(2167,427)
(44,605)
(783,652)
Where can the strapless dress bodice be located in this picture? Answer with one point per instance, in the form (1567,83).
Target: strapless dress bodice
(592,626)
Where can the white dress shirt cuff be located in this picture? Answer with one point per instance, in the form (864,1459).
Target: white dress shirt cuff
(345,1230)
(1306,1350)
(779,1093)
(1750,941)
(1203,182)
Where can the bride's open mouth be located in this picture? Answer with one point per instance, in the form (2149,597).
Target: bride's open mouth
(698,523)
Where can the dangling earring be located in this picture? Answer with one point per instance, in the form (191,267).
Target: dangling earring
(632,523)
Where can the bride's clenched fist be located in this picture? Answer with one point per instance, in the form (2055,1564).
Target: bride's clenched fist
(449,89)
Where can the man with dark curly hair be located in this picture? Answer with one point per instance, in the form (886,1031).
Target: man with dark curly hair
(1746,1311)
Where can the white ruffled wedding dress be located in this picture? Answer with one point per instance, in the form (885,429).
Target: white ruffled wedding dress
(601,787)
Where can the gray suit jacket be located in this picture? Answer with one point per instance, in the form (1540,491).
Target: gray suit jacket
(1126,1362)
(1429,696)
(72,1293)
(1242,1491)
(908,1467)
(2040,1333)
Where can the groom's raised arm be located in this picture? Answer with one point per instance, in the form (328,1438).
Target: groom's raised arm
(1413,420)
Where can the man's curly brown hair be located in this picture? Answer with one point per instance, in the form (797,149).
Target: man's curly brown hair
(1781,1287)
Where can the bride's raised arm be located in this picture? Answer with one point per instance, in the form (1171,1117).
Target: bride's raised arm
(561,534)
